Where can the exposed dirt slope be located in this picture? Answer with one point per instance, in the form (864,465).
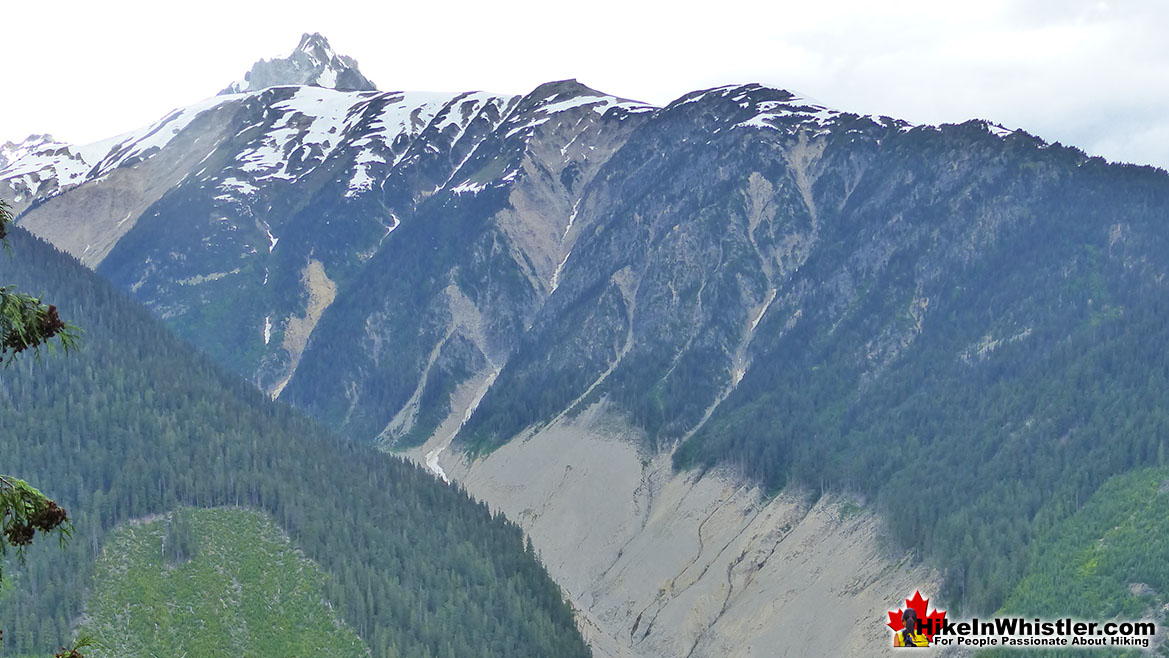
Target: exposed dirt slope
(675,565)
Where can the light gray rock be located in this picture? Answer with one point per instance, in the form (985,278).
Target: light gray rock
(313,62)
(665,564)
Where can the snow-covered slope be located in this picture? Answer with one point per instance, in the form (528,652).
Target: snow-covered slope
(41,167)
(287,192)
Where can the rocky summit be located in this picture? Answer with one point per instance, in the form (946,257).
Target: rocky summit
(313,62)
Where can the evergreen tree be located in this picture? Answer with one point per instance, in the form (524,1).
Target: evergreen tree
(26,322)
(139,425)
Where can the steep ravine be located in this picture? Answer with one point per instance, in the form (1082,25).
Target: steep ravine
(675,565)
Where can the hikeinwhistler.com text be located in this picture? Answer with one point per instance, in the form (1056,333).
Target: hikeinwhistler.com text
(1019,632)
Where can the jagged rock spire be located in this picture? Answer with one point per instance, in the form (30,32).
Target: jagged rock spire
(313,62)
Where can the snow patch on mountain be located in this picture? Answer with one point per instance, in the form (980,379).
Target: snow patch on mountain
(310,126)
(564,236)
(232,186)
(763,309)
(468,187)
(33,165)
(408,113)
(405,116)
(469,107)
(432,464)
(462,109)
(10,152)
(312,123)
(997,129)
(771,112)
(696,96)
(526,126)
(361,180)
(769,108)
(554,99)
(599,104)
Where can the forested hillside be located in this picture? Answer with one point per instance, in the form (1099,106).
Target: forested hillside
(1108,560)
(984,382)
(135,424)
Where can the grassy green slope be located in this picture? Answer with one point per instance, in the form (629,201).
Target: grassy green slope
(1108,560)
(212,582)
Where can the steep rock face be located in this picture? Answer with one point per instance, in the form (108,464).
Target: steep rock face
(687,233)
(41,168)
(120,185)
(294,187)
(468,269)
(313,62)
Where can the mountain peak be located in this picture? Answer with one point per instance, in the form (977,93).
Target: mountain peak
(10,152)
(315,42)
(312,62)
(566,88)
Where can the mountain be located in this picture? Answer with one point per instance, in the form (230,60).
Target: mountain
(691,343)
(134,425)
(299,164)
(40,166)
(313,62)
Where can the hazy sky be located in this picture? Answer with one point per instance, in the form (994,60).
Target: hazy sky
(1093,73)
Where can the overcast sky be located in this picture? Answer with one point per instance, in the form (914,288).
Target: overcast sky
(1092,73)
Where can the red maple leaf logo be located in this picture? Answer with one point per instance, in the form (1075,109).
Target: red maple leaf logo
(919,606)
